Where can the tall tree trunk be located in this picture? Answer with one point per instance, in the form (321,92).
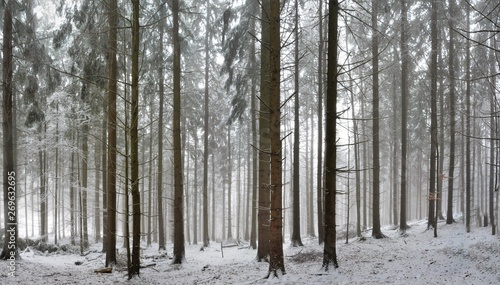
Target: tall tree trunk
(404,114)
(72,190)
(431,221)
(206,128)
(229,185)
(468,160)
(330,249)
(178,183)
(97,194)
(492,88)
(264,144)
(376,232)
(276,262)
(195,190)
(161,90)
(111,175)
(85,153)
(104,184)
(452,117)
(134,145)
(8,129)
(319,178)
(253,94)
(296,241)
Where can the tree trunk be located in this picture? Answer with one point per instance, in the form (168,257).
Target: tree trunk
(330,250)
(178,183)
(161,87)
(104,184)
(253,94)
(85,153)
(9,252)
(376,232)
(276,262)
(206,129)
(264,144)
(404,114)
(111,175)
(493,134)
(319,178)
(431,221)
(468,160)
(229,185)
(452,104)
(134,146)
(296,241)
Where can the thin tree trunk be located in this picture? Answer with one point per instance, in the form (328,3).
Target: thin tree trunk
(468,160)
(492,136)
(104,184)
(253,94)
(84,181)
(319,179)
(161,221)
(206,238)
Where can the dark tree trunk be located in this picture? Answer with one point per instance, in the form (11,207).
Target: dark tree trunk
(161,222)
(376,231)
(8,128)
(264,144)
(330,250)
(178,184)
(319,178)
(404,114)
(111,175)
(451,56)
(276,262)
(431,221)
(296,241)
(134,146)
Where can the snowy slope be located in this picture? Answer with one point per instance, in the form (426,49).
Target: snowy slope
(455,257)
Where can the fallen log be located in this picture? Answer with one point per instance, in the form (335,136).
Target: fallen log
(104,270)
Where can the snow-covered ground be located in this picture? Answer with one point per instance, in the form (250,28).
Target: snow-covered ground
(455,257)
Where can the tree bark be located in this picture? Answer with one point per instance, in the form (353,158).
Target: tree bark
(319,177)
(264,144)
(468,160)
(206,128)
(296,241)
(178,183)
(330,249)
(451,56)
(376,231)
(276,262)
(431,221)
(404,114)
(134,146)
(111,175)
(8,129)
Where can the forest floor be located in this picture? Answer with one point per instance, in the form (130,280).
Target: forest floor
(455,257)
